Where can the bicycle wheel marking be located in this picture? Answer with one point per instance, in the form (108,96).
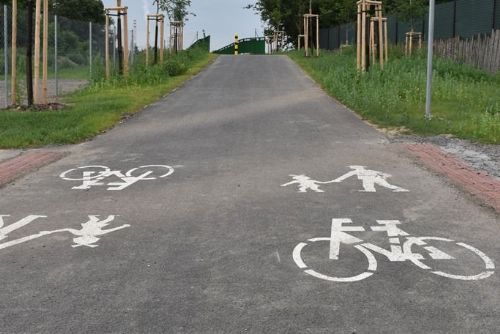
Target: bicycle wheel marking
(115,180)
(398,252)
(297,257)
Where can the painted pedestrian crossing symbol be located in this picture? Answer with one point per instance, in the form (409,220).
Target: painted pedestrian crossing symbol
(370,181)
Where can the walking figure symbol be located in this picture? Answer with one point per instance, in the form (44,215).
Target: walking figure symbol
(368,177)
(88,235)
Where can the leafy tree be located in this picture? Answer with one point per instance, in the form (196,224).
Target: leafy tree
(177,10)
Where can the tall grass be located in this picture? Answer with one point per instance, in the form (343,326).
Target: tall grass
(99,106)
(465,101)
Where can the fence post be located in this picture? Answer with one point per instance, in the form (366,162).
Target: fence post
(6,54)
(90,49)
(454,18)
(396,31)
(430,45)
(494,14)
(56,66)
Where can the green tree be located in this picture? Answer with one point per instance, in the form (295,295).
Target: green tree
(177,10)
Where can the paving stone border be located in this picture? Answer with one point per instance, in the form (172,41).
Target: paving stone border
(23,164)
(478,183)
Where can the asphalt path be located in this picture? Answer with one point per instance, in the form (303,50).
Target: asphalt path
(210,248)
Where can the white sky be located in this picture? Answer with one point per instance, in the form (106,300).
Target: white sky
(219,18)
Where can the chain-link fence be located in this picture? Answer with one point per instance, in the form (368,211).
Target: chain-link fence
(458,18)
(75,54)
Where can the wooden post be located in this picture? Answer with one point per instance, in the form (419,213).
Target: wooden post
(306,35)
(363,36)
(36,77)
(373,52)
(386,42)
(358,39)
(147,40)
(162,38)
(14,54)
(380,35)
(317,36)
(106,45)
(125,39)
(45,50)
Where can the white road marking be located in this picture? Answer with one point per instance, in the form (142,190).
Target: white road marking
(369,179)
(89,234)
(95,175)
(396,253)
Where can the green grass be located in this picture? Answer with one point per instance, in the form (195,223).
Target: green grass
(465,101)
(96,108)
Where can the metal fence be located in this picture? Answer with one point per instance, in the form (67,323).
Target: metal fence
(75,56)
(458,18)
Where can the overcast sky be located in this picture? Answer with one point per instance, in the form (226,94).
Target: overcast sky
(219,18)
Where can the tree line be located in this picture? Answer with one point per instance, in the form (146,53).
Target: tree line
(286,15)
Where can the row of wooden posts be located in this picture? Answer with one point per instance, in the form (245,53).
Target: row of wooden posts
(39,97)
(41,49)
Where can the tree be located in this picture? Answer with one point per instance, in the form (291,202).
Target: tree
(287,14)
(177,10)
(409,10)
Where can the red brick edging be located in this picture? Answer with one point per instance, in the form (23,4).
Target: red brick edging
(16,167)
(478,183)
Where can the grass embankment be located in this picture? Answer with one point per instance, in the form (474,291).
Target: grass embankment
(465,102)
(99,106)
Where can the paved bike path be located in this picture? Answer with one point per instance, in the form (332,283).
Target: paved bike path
(209,248)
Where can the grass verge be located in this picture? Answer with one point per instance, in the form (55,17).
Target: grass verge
(465,101)
(98,107)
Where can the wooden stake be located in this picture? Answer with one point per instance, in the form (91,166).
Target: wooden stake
(125,41)
(147,40)
(45,50)
(162,38)
(14,54)
(380,35)
(386,41)
(317,36)
(106,46)
(358,39)
(363,36)
(36,76)
(373,52)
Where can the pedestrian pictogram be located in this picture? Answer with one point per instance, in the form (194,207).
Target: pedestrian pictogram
(369,179)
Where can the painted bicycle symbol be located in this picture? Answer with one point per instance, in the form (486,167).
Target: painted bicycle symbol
(91,176)
(399,252)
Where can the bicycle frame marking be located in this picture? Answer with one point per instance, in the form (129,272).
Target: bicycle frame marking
(397,253)
(88,235)
(91,178)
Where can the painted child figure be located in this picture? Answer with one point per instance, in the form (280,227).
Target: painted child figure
(304,182)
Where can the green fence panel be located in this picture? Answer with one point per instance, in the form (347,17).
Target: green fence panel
(255,46)
(474,17)
(444,21)
(324,36)
(497,14)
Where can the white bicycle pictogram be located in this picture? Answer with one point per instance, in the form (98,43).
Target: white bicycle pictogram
(94,175)
(399,252)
